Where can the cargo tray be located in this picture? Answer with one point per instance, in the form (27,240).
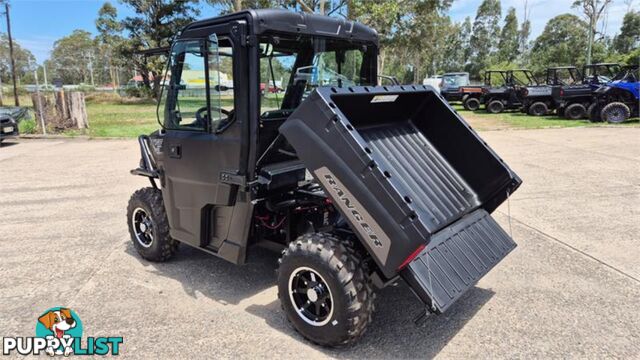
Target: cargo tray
(398,163)
(456,258)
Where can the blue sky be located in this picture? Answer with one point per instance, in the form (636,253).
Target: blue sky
(36,24)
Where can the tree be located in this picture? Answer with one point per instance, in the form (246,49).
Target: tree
(420,35)
(382,15)
(73,56)
(592,10)
(562,42)
(109,38)
(229,6)
(509,44)
(23,59)
(485,36)
(629,37)
(154,24)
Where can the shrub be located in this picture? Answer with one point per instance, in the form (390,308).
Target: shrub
(27,126)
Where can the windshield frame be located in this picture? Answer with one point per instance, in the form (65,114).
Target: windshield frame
(291,98)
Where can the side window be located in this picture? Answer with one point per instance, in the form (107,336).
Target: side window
(340,68)
(275,72)
(186,102)
(221,84)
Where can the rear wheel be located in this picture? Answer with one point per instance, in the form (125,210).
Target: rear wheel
(324,289)
(495,107)
(471,104)
(538,109)
(149,227)
(575,112)
(615,113)
(593,112)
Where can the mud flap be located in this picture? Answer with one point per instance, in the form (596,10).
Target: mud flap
(456,258)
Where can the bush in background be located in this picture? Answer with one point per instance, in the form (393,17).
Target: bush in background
(27,126)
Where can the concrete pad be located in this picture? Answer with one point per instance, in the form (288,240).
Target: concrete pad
(569,290)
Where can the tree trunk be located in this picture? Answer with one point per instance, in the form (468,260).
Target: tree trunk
(156,85)
(112,75)
(381,58)
(237,5)
(78,110)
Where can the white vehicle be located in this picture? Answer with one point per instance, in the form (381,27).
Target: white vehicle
(433,81)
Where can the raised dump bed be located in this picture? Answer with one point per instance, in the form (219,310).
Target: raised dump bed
(408,174)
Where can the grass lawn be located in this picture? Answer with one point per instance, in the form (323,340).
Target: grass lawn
(122,119)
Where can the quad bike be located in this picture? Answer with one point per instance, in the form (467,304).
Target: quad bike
(358,186)
(618,100)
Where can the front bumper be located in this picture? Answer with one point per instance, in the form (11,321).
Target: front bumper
(8,130)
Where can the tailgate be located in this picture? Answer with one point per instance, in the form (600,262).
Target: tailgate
(456,258)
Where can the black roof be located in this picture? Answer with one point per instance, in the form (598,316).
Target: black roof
(278,20)
(561,67)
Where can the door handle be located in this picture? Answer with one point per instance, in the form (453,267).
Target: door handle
(175,151)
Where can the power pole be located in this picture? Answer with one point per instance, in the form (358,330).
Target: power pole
(44,69)
(13,62)
(42,122)
(91,69)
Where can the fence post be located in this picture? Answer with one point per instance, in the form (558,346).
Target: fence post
(44,128)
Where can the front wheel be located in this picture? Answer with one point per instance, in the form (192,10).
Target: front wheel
(495,107)
(471,104)
(324,289)
(538,109)
(615,113)
(575,111)
(149,227)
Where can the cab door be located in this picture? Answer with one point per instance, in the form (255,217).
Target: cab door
(202,141)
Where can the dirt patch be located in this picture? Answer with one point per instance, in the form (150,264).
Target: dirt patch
(485,123)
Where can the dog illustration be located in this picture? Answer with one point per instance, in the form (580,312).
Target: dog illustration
(58,321)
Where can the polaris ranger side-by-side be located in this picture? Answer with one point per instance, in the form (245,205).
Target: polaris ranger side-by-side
(358,185)
(541,99)
(508,96)
(472,95)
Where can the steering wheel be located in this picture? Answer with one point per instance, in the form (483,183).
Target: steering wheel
(201,115)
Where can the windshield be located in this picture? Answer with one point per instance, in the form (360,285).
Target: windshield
(291,67)
(455,80)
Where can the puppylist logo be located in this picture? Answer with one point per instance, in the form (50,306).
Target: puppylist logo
(59,332)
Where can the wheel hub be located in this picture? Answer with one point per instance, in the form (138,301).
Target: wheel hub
(142,227)
(310,296)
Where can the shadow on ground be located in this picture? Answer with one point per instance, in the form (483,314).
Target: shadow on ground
(7,144)
(393,332)
(220,280)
